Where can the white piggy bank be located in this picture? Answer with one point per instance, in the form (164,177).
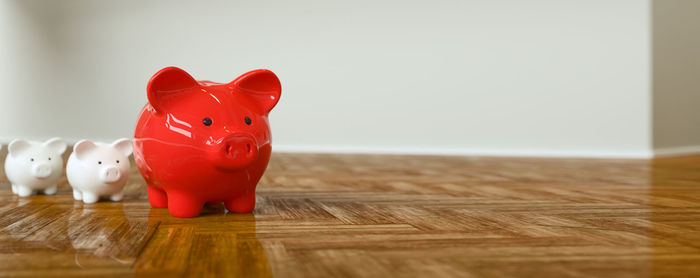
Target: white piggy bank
(34,166)
(99,169)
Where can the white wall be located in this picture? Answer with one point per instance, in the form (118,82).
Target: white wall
(676,49)
(538,77)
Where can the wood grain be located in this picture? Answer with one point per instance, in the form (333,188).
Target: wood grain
(383,216)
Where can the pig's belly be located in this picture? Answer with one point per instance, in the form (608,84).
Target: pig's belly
(210,187)
(99,189)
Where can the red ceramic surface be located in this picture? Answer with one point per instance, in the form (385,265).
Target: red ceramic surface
(200,142)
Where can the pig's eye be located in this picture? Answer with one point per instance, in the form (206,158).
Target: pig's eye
(117,161)
(206,121)
(31,159)
(99,162)
(248,121)
(49,158)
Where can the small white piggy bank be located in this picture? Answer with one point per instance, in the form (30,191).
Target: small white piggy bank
(99,169)
(34,166)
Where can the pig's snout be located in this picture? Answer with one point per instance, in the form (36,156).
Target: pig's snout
(41,170)
(110,174)
(239,150)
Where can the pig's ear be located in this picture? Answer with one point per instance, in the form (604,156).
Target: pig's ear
(123,146)
(17,147)
(82,148)
(262,85)
(165,84)
(56,144)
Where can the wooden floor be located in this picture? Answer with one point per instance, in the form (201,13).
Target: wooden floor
(383,216)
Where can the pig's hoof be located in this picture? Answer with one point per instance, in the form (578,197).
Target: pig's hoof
(90,198)
(77,195)
(50,191)
(243,204)
(24,191)
(117,197)
(183,206)
(158,198)
(184,212)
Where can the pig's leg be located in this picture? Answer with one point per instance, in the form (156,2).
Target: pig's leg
(242,203)
(51,190)
(89,197)
(77,195)
(183,206)
(14,189)
(24,191)
(116,197)
(157,197)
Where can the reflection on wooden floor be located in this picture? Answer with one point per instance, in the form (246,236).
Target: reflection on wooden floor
(379,216)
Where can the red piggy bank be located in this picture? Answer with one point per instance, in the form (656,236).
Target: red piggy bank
(200,142)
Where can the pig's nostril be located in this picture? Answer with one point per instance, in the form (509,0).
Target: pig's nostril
(248,147)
